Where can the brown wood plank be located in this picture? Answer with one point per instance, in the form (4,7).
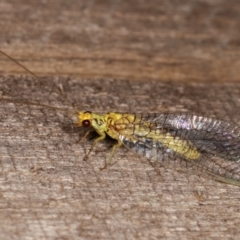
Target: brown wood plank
(173,40)
(160,52)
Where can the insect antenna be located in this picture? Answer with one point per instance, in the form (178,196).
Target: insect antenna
(41,80)
(36,104)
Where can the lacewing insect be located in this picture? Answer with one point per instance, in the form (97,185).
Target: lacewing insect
(203,143)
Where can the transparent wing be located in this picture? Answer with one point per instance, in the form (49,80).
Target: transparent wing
(201,143)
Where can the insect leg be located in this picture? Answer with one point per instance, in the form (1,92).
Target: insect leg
(81,139)
(101,137)
(108,162)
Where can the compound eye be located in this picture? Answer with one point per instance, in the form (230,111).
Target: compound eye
(86,123)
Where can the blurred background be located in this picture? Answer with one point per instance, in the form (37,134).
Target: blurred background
(149,39)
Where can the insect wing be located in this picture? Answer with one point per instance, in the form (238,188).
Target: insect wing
(201,143)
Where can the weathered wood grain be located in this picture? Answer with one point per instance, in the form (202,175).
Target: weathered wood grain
(163,40)
(167,56)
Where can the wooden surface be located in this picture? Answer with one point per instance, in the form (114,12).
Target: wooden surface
(167,40)
(176,56)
